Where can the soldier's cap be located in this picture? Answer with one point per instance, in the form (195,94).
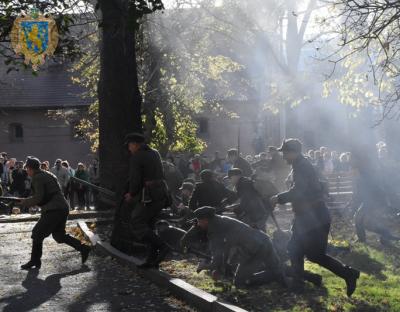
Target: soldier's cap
(291,145)
(234,172)
(134,137)
(32,163)
(206,175)
(187,186)
(205,212)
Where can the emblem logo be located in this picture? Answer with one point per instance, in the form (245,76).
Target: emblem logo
(35,37)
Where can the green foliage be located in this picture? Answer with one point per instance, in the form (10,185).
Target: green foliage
(185,131)
(174,90)
(355,84)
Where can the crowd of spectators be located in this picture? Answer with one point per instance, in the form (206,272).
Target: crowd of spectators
(15,182)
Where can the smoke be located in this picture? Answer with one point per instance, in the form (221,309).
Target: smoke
(282,80)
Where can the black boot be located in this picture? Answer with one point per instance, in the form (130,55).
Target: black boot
(36,255)
(158,251)
(350,275)
(31,264)
(150,259)
(77,245)
(85,251)
(351,280)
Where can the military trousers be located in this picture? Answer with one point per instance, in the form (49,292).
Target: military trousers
(260,268)
(313,244)
(53,223)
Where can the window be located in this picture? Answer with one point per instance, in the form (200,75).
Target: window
(16,132)
(203,126)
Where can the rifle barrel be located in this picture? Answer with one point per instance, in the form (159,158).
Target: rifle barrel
(98,188)
(8,198)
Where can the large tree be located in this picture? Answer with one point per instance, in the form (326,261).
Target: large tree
(119,97)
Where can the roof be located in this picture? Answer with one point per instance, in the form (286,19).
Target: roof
(52,88)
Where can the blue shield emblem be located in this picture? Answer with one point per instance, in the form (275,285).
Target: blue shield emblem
(35,35)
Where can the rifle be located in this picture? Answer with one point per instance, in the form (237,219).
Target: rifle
(10,199)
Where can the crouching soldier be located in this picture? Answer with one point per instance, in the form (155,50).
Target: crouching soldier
(258,262)
(251,209)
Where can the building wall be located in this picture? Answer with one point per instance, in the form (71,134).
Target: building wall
(223,132)
(43,137)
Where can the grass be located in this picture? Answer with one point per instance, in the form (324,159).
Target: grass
(378,287)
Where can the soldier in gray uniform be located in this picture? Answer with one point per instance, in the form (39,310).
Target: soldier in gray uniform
(147,195)
(209,192)
(48,195)
(312,221)
(251,210)
(258,261)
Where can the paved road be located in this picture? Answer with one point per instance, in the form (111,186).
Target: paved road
(64,285)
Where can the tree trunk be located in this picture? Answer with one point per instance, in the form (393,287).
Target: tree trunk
(118,91)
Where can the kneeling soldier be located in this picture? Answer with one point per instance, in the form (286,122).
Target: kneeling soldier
(258,261)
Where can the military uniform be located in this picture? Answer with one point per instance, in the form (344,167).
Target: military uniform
(251,209)
(312,221)
(255,251)
(210,193)
(149,193)
(48,195)
(243,165)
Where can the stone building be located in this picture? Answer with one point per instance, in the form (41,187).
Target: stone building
(27,121)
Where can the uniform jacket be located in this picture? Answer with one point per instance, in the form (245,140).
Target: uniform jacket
(306,196)
(224,233)
(243,165)
(145,166)
(251,207)
(46,193)
(210,193)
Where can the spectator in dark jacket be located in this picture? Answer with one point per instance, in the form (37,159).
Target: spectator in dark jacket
(81,189)
(19,178)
